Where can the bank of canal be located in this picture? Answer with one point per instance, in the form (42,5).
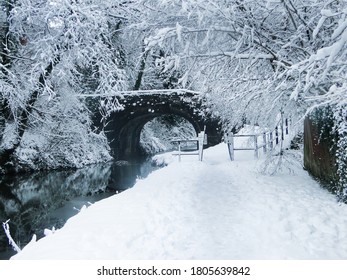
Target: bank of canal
(43,200)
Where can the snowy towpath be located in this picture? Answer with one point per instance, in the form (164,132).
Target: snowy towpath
(215,209)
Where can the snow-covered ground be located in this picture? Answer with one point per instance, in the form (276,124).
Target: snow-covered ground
(215,209)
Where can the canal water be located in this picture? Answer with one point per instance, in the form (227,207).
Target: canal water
(43,200)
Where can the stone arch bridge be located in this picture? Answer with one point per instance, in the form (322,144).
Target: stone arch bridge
(123,127)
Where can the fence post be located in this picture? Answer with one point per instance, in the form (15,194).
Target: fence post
(200,144)
(201,137)
(271,143)
(264,143)
(287,127)
(205,139)
(276,134)
(202,141)
(255,146)
(179,151)
(282,127)
(230,143)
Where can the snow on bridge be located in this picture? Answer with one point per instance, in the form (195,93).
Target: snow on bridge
(122,115)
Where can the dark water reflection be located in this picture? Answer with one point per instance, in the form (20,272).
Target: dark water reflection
(42,200)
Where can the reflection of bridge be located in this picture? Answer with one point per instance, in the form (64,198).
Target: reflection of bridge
(123,127)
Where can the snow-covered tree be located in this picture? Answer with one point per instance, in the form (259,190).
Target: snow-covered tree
(254,59)
(251,59)
(51,51)
(320,76)
(236,51)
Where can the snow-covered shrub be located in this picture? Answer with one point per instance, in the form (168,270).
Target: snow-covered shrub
(341,153)
(62,137)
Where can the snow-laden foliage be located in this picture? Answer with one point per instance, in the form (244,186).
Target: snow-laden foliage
(321,75)
(233,51)
(157,134)
(51,51)
(341,155)
(62,138)
(253,59)
(81,36)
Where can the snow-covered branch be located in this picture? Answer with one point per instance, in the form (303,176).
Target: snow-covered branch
(6,228)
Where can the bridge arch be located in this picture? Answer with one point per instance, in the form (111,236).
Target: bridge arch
(129,135)
(123,128)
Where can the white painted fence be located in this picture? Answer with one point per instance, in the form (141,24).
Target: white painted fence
(269,140)
(200,141)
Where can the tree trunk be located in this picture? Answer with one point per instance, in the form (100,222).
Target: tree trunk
(6,61)
(23,119)
(141,70)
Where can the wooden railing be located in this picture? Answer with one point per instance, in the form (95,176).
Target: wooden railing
(270,139)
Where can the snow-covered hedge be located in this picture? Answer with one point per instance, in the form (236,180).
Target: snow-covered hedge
(341,154)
